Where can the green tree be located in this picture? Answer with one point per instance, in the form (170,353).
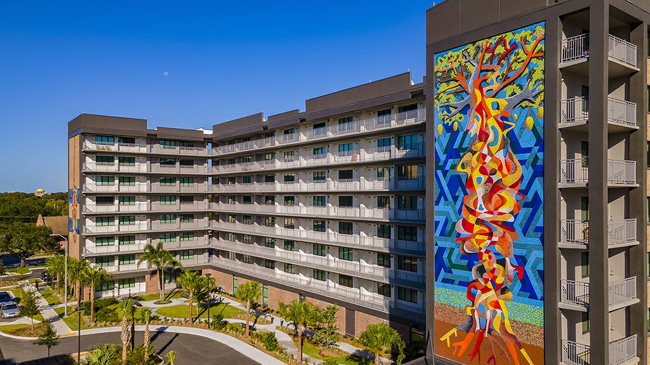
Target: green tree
(380,337)
(128,309)
(93,277)
(28,305)
(146,318)
(190,281)
(22,240)
(2,270)
(76,271)
(301,314)
(55,267)
(325,330)
(48,337)
(171,357)
(162,260)
(103,355)
(248,293)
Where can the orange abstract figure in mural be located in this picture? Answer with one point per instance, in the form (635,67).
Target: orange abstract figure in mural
(490,75)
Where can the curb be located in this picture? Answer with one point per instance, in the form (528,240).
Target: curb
(18,337)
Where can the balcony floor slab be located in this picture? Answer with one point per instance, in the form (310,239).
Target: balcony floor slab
(573,307)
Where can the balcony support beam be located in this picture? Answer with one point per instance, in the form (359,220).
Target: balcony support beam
(598,192)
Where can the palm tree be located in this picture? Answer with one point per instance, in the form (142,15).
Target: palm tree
(161,259)
(301,314)
(55,266)
(128,308)
(76,270)
(146,318)
(192,282)
(95,276)
(247,293)
(103,355)
(378,337)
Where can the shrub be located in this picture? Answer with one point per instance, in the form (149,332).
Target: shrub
(217,322)
(270,342)
(331,361)
(106,315)
(234,328)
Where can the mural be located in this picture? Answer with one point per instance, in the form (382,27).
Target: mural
(489,121)
(73,218)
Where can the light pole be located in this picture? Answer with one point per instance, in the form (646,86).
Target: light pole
(79,309)
(65,282)
(209,295)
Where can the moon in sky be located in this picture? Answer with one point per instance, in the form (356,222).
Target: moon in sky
(166,73)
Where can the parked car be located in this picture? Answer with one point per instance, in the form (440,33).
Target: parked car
(6,298)
(45,277)
(9,310)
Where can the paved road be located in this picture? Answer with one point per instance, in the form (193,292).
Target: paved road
(189,349)
(11,262)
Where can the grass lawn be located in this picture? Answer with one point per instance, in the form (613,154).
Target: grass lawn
(73,318)
(311,350)
(23,330)
(20,270)
(181,311)
(13,327)
(50,296)
(168,295)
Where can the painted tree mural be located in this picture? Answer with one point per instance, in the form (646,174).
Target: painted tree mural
(483,91)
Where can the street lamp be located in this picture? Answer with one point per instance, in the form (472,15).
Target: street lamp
(79,309)
(65,283)
(209,295)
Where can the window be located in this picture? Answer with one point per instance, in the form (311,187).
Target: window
(346,149)
(584,263)
(407,172)
(269,178)
(289,131)
(383,201)
(586,323)
(247,259)
(105,241)
(269,221)
(383,173)
(170,278)
(407,233)
(167,143)
(320,275)
(232,237)
(189,199)
(167,181)
(126,283)
(407,202)
(384,112)
(319,125)
(345,253)
(105,160)
(584,152)
(319,152)
(269,199)
(384,144)
(126,140)
(289,245)
(127,200)
(247,199)
(168,218)
(345,201)
(584,208)
(345,124)
(290,268)
(232,180)
(168,162)
(320,176)
(230,162)
(126,161)
(187,181)
(345,227)
(127,220)
(105,200)
(126,259)
(289,223)
(320,250)
(383,289)
(319,226)
(289,156)
(319,201)
(407,108)
(186,254)
(234,285)
(185,144)
(105,221)
(232,199)
(247,219)
(269,242)
(167,199)
(407,142)
(186,236)
(126,240)
(269,156)
(289,177)
(232,256)
(289,200)
(247,159)
(187,218)
(345,175)
(168,237)
(105,286)
(407,263)
(247,238)
(345,280)
(104,140)
(384,231)
(407,295)
(106,180)
(105,261)
(232,218)
(269,264)
(383,259)
(246,180)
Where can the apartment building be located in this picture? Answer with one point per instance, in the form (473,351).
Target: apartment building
(538,110)
(325,205)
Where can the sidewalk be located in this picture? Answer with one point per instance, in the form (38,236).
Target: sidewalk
(49,314)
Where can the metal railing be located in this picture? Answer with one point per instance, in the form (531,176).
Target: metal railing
(622,291)
(574,171)
(575,353)
(619,172)
(618,232)
(114,248)
(574,292)
(622,51)
(574,231)
(94,188)
(623,350)
(576,110)
(575,48)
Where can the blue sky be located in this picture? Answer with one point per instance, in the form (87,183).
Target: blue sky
(223,60)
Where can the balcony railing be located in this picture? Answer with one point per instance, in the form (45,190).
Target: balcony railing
(618,232)
(576,110)
(621,351)
(115,208)
(114,248)
(363,184)
(620,292)
(94,188)
(140,226)
(577,48)
(619,172)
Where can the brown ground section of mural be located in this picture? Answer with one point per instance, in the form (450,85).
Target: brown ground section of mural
(531,337)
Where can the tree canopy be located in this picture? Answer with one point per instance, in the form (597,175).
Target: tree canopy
(22,240)
(27,207)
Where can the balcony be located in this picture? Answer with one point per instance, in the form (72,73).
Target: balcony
(574,112)
(91,166)
(177,150)
(575,233)
(138,147)
(126,267)
(575,294)
(197,187)
(91,250)
(115,188)
(364,184)
(140,226)
(179,207)
(115,208)
(575,173)
(197,224)
(621,352)
(197,242)
(621,53)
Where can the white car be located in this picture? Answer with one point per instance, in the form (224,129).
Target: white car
(10,310)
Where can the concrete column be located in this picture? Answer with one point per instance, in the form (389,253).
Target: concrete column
(597,186)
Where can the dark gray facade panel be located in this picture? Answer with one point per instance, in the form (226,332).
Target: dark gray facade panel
(103,122)
(252,123)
